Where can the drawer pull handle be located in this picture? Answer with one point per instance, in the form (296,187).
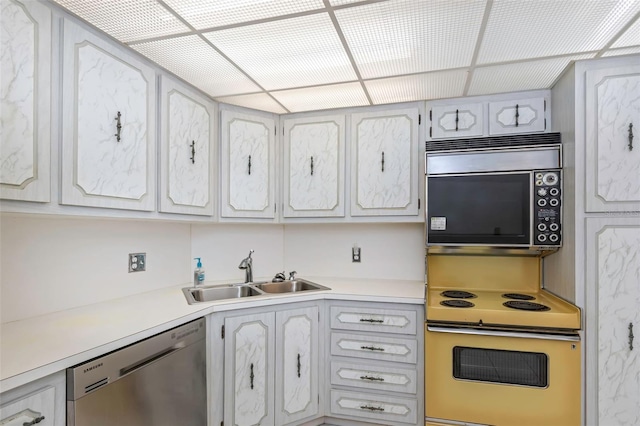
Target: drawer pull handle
(630,137)
(118,126)
(457,120)
(251,376)
(299,365)
(371,320)
(371,408)
(193,152)
(630,336)
(372,378)
(517,115)
(249,165)
(34,421)
(312,165)
(371,348)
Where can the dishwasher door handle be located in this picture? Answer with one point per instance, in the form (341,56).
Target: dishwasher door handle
(148,360)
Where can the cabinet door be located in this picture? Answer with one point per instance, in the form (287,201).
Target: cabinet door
(297,346)
(248,163)
(457,121)
(384,163)
(613,251)
(314,167)
(517,116)
(187,151)
(25,101)
(108,132)
(612,129)
(35,408)
(248,378)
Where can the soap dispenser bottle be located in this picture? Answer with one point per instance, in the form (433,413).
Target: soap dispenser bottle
(198,273)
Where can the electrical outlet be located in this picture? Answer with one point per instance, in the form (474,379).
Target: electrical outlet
(137,262)
(356,255)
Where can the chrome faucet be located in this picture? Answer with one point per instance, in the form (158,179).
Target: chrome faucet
(247,265)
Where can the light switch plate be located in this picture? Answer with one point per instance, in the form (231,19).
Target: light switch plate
(137,262)
(356,255)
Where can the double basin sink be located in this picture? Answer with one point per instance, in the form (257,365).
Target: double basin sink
(242,290)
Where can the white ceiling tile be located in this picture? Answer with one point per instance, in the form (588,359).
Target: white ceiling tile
(532,29)
(631,37)
(208,14)
(623,51)
(260,101)
(409,36)
(294,52)
(323,97)
(530,75)
(127,20)
(433,85)
(192,59)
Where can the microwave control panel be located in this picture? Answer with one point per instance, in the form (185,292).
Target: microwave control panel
(547,204)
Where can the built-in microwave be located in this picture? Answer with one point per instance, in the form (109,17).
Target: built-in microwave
(506,196)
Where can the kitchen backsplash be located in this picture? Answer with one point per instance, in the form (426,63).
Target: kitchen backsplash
(53,264)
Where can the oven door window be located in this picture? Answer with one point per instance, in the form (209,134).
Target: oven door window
(500,366)
(486,209)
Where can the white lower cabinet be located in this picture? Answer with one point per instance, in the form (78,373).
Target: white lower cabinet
(40,402)
(376,372)
(270,362)
(613,298)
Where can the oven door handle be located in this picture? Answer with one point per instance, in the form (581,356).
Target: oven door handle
(523,335)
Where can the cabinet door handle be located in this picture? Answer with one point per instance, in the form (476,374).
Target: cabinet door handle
(630,136)
(371,408)
(34,421)
(371,378)
(456,120)
(517,115)
(630,336)
(193,152)
(382,161)
(312,165)
(371,348)
(118,126)
(249,164)
(298,365)
(251,376)
(371,320)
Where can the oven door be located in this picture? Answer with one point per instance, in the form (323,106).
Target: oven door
(502,378)
(489,209)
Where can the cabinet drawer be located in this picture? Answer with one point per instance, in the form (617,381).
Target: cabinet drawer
(373,319)
(37,407)
(374,347)
(378,407)
(375,377)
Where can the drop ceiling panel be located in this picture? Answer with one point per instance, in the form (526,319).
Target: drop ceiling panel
(404,37)
(260,101)
(631,37)
(532,29)
(623,51)
(417,87)
(208,14)
(127,20)
(323,97)
(531,75)
(192,59)
(293,52)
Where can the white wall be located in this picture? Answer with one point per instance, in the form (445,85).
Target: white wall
(47,265)
(52,264)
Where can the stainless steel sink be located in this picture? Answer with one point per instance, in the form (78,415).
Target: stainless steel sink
(219,292)
(237,291)
(290,286)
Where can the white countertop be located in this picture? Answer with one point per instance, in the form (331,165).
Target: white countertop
(39,346)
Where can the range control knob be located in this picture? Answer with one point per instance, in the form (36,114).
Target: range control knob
(550,178)
(542,227)
(542,192)
(542,238)
(542,202)
(554,227)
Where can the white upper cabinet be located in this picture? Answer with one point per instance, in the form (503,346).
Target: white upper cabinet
(314,152)
(384,163)
(108,125)
(25,101)
(248,165)
(612,142)
(187,150)
(457,121)
(517,116)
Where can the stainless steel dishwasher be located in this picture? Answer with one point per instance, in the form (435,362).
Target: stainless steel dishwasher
(160,381)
